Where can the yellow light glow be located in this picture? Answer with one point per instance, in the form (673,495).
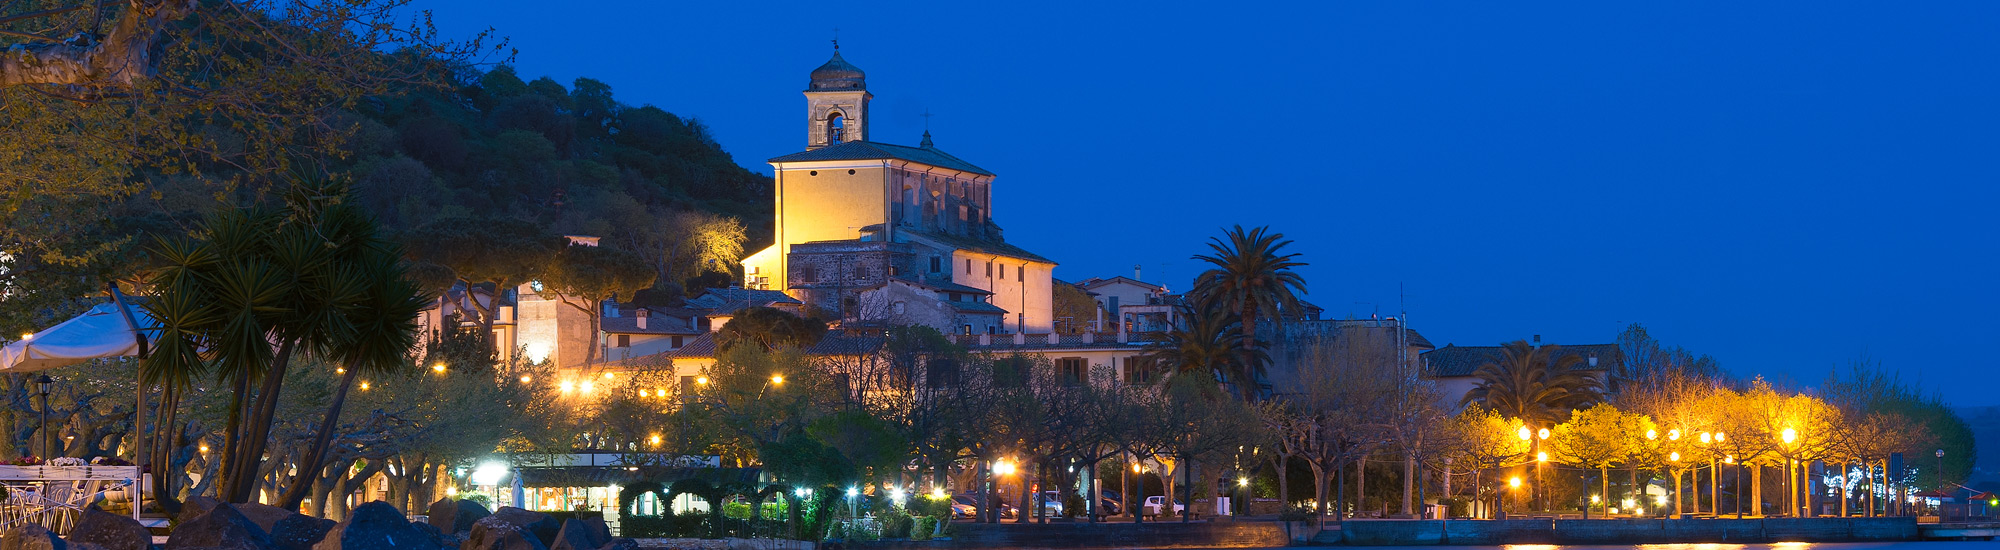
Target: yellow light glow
(702,380)
(1242,482)
(1676,456)
(1524,433)
(1720,437)
(1706,438)
(1514,482)
(451,491)
(1673,435)
(656,440)
(1541,457)
(364,385)
(1593,499)
(204,447)
(777,380)
(587,386)
(1611,510)
(607,375)
(1660,499)
(938,493)
(1790,435)
(1731,459)
(1650,434)
(1003,468)
(662,392)
(1630,503)
(340,370)
(526,379)
(1544,433)
(1137,469)
(566,386)
(438,367)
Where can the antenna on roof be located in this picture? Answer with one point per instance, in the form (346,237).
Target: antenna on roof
(836,39)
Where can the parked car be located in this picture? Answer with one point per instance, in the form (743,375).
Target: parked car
(1052,503)
(962,507)
(1108,506)
(1156,502)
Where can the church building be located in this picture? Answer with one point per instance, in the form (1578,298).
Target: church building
(871,232)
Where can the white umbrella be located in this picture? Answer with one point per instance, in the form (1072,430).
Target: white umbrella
(104,331)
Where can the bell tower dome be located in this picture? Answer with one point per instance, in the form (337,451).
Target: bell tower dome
(836,103)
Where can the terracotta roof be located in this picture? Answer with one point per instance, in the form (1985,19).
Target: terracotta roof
(1453,360)
(657,324)
(840,344)
(872,150)
(700,346)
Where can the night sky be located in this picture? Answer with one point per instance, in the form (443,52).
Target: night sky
(1789,186)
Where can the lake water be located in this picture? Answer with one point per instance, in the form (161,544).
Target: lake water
(1940,545)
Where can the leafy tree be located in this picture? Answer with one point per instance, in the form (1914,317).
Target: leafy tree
(1251,278)
(1487,440)
(586,277)
(1209,345)
(769,329)
(499,253)
(1600,437)
(1533,384)
(1075,310)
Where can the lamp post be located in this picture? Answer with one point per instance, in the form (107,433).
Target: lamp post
(43,382)
(1940,455)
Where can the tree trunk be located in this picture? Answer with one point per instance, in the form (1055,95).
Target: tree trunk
(121,60)
(1409,481)
(1284,489)
(309,464)
(1604,481)
(1757,489)
(1360,484)
(253,442)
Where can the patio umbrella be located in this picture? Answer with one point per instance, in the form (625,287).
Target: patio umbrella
(105,331)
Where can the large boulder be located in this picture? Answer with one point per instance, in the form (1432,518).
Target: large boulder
(495,533)
(540,525)
(29,536)
(222,527)
(194,507)
(598,526)
(620,544)
(111,531)
(576,535)
(452,515)
(376,526)
(288,530)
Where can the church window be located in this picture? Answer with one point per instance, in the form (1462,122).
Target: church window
(989,270)
(836,128)
(806,274)
(968,266)
(936,264)
(1072,369)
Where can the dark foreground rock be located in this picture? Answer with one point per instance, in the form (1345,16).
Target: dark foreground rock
(288,530)
(496,533)
(223,527)
(29,536)
(456,516)
(376,526)
(537,524)
(111,531)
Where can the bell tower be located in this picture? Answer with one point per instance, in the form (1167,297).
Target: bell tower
(836,103)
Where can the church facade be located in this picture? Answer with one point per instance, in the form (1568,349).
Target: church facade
(874,232)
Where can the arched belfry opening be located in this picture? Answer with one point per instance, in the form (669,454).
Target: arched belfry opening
(836,104)
(836,128)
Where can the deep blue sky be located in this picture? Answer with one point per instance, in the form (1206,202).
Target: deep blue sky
(1786,186)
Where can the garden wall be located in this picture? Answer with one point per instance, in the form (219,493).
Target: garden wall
(1201,534)
(1624,531)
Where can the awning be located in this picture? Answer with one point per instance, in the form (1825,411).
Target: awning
(98,333)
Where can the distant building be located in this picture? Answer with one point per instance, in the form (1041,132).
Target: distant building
(852,215)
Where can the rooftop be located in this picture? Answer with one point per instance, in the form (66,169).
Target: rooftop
(872,150)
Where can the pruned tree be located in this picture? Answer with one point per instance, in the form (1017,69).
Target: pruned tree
(585,277)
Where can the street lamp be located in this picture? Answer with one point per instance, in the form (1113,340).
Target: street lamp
(1940,455)
(43,384)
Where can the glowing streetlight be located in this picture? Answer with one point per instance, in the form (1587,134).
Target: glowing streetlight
(340,370)
(1675,456)
(526,379)
(1541,457)
(364,385)
(437,367)
(852,492)
(1524,433)
(1543,434)
(1242,482)
(587,387)
(937,493)
(567,386)
(1003,468)
(1707,438)
(1789,435)
(1721,437)
(656,440)
(701,380)
(1137,469)
(1593,499)
(1514,482)
(1651,434)
(1673,435)
(777,380)
(26,336)
(608,375)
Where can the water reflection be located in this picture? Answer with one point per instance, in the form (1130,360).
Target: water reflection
(1961,545)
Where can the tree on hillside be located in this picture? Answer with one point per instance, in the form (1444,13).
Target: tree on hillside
(1208,345)
(104,101)
(1533,384)
(769,329)
(1252,278)
(497,252)
(586,277)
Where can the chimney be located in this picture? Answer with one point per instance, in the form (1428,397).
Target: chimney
(1538,340)
(1135,273)
(642,314)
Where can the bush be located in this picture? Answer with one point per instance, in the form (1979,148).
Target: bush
(896,524)
(838,531)
(921,529)
(1296,513)
(685,525)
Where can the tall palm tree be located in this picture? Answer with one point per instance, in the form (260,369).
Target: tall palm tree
(1209,343)
(1534,384)
(1251,278)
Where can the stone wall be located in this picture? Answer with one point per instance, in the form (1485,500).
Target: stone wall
(1201,534)
(1625,531)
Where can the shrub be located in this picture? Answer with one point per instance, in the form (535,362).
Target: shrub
(896,524)
(921,529)
(1295,513)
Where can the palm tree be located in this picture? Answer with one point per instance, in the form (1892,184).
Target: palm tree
(1534,384)
(1251,279)
(259,286)
(1209,343)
